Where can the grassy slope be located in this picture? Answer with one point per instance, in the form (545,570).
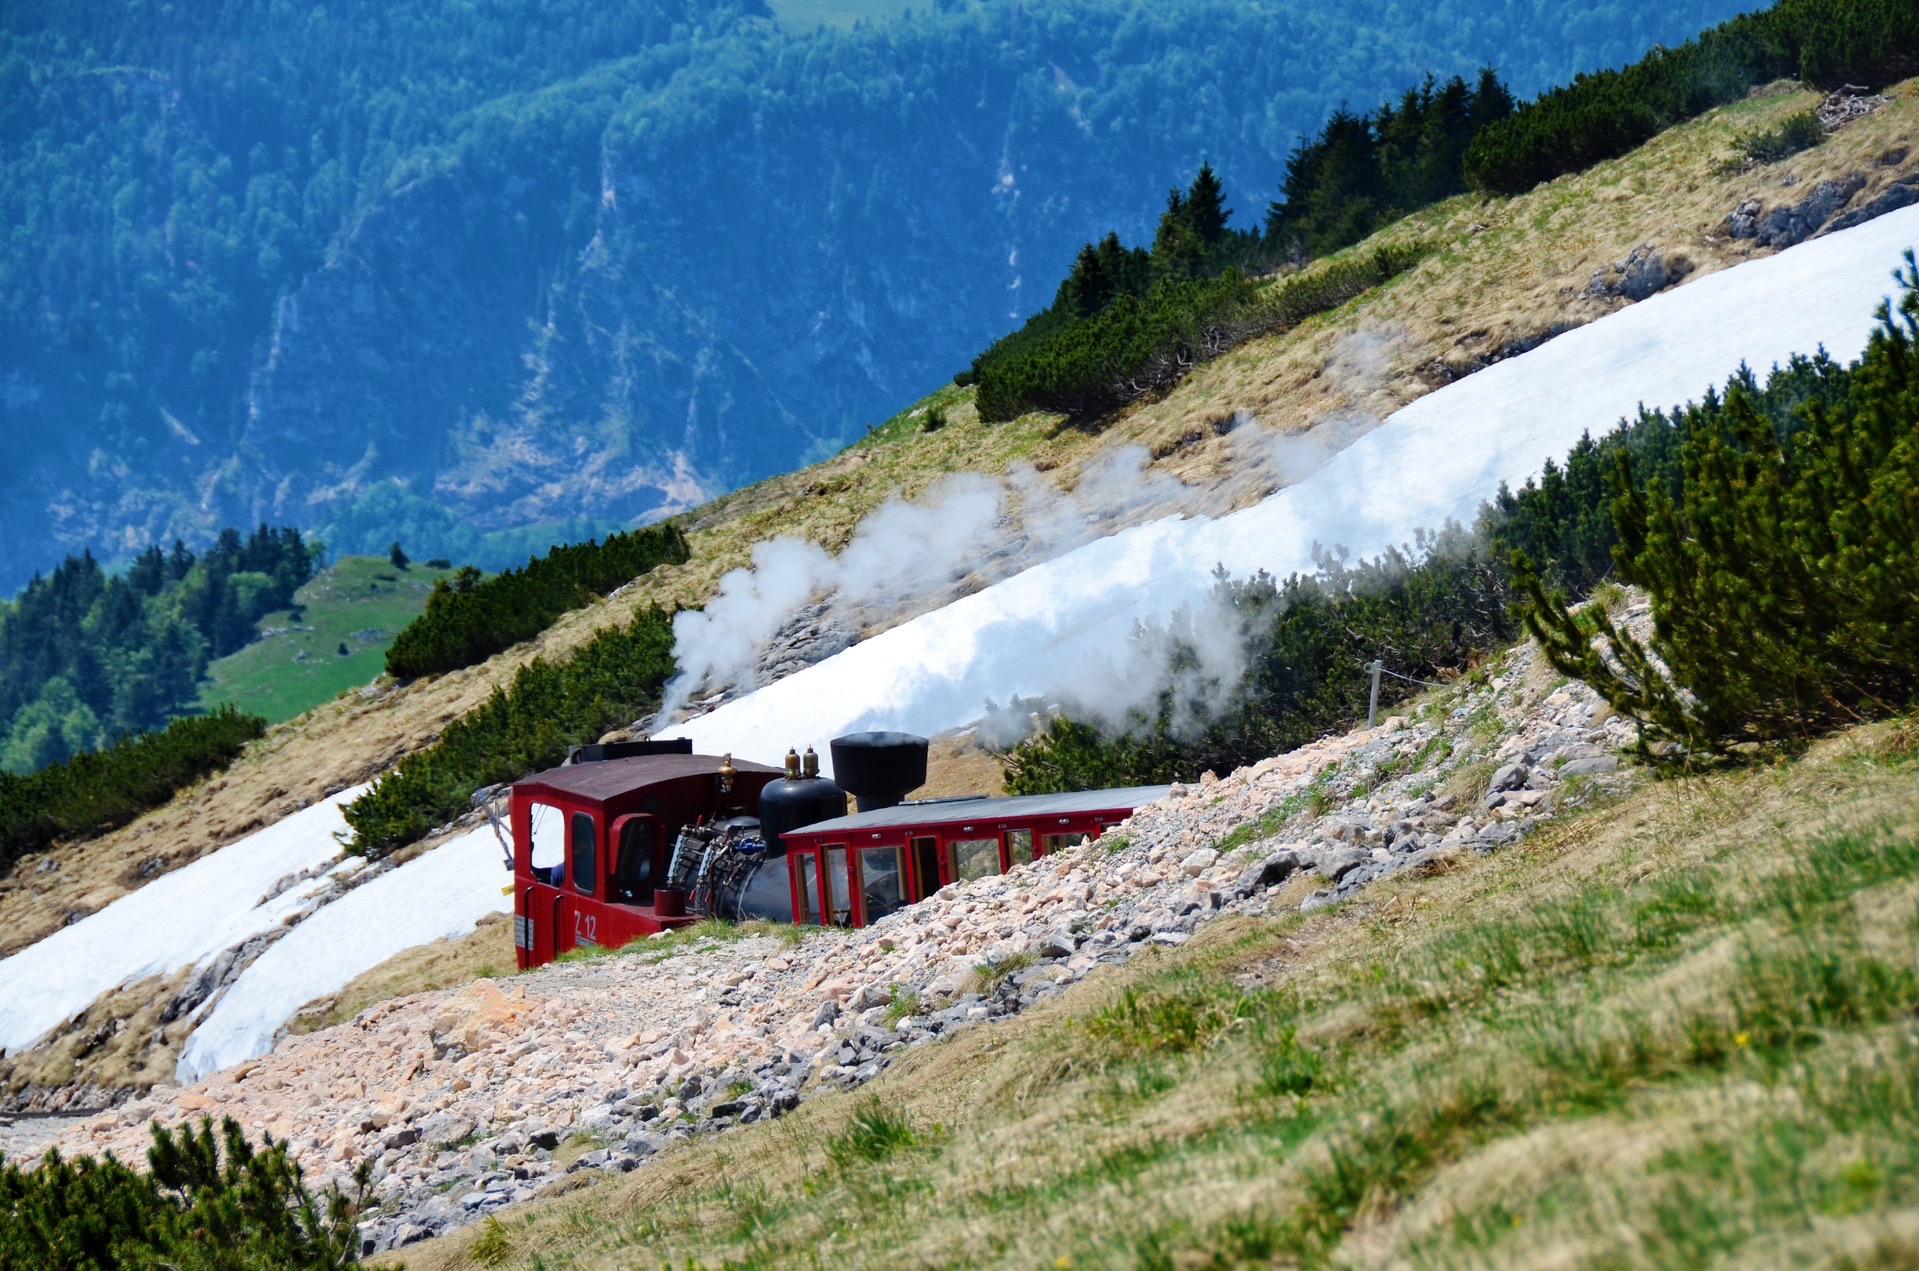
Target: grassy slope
(1517,278)
(361,602)
(1662,1033)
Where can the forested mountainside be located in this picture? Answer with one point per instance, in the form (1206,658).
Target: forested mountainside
(484,277)
(87,656)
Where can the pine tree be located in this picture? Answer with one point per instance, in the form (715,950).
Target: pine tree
(398,557)
(1178,252)
(1206,211)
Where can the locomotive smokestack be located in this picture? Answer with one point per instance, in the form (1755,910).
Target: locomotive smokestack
(879,768)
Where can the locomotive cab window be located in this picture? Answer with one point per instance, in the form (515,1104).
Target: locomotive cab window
(1019,845)
(548,825)
(632,879)
(807,866)
(926,866)
(839,901)
(1051,843)
(585,844)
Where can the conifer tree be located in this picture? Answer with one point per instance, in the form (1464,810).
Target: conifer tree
(1178,252)
(1784,582)
(1206,211)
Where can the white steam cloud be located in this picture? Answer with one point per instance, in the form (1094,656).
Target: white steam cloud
(969,531)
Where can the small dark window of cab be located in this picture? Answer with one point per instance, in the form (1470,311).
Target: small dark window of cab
(584,841)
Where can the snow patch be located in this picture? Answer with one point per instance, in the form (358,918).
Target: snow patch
(443,893)
(175,921)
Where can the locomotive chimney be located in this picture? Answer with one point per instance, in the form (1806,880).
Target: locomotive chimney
(879,768)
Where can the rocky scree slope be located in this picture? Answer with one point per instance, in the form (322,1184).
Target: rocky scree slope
(473,1100)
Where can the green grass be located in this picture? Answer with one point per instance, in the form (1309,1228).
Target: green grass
(989,975)
(360,601)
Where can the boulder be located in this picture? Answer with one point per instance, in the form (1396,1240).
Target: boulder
(1056,944)
(1336,865)
(1199,862)
(1510,777)
(443,1129)
(1273,871)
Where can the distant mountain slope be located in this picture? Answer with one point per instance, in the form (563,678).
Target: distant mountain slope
(445,274)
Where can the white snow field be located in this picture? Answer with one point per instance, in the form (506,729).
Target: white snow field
(1055,625)
(175,921)
(444,892)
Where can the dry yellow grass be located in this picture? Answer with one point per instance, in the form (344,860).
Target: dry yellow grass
(483,953)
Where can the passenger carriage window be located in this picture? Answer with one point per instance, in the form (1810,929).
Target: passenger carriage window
(880,883)
(1019,845)
(1060,842)
(809,889)
(549,842)
(974,858)
(926,864)
(839,901)
(585,844)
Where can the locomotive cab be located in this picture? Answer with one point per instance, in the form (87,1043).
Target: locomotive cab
(593,843)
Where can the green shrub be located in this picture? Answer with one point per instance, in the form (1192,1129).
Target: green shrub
(521,729)
(1802,131)
(96,791)
(1784,581)
(1605,115)
(205,1205)
(472,618)
(1563,521)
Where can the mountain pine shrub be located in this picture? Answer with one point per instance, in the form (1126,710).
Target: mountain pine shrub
(1784,580)
(520,730)
(1604,115)
(472,618)
(206,1204)
(96,791)
(1139,345)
